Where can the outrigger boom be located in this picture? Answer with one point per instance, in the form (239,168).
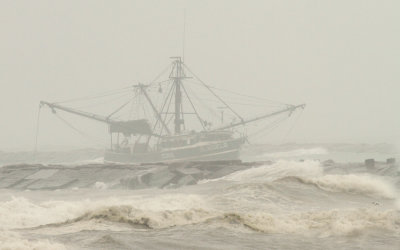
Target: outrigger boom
(107,120)
(126,127)
(289,109)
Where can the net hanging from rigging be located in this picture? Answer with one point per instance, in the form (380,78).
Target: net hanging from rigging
(88,137)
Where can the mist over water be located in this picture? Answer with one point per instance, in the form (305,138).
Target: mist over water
(286,203)
(340,58)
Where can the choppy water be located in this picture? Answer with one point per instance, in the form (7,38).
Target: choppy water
(288,204)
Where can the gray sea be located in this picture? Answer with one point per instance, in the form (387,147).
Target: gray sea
(291,197)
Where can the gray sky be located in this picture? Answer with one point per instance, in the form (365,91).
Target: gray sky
(342,58)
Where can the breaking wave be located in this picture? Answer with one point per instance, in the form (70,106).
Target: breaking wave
(325,223)
(19,212)
(144,219)
(351,183)
(166,212)
(274,171)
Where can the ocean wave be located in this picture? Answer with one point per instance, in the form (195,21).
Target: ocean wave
(20,212)
(108,240)
(322,223)
(274,171)
(351,183)
(168,211)
(143,218)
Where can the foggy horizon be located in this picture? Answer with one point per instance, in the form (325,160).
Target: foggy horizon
(340,58)
(200,124)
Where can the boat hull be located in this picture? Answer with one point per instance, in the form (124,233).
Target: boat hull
(218,151)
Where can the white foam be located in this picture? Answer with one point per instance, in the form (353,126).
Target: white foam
(146,218)
(324,223)
(19,212)
(169,210)
(13,241)
(274,171)
(354,183)
(100,185)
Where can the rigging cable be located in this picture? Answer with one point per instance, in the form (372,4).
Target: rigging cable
(245,104)
(160,74)
(96,104)
(236,93)
(162,82)
(184,35)
(270,127)
(37,129)
(194,108)
(201,101)
(219,98)
(103,94)
(166,113)
(121,107)
(166,97)
(163,106)
(294,123)
(88,137)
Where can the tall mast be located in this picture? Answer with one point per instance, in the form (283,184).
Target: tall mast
(177,77)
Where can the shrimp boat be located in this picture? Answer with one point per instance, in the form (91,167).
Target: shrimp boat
(156,138)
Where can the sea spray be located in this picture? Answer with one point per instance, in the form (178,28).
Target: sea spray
(274,171)
(100,185)
(20,212)
(293,202)
(12,241)
(352,183)
(297,153)
(324,223)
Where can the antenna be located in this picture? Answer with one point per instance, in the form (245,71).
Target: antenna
(183,37)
